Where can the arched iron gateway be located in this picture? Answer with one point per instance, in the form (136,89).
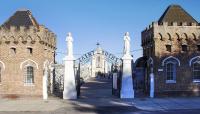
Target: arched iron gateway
(99,60)
(96,63)
(109,57)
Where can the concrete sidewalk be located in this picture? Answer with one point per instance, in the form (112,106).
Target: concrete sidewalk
(96,98)
(140,104)
(56,104)
(166,103)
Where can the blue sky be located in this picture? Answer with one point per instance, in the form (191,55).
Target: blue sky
(92,21)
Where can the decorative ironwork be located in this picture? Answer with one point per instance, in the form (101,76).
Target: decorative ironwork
(108,56)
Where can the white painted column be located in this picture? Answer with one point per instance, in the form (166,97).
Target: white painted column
(69,76)
(127,81)
(115,80)
(151,85)
(52,79)
(45,81)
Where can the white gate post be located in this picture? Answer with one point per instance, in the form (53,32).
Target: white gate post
(69,76)
(114,81)
(52,79)
(45,94)
(127,81)
(150,65)
(151,85)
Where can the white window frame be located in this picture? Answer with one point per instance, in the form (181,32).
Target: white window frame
(195,80)
(168,59)
(174,72)
(26,83)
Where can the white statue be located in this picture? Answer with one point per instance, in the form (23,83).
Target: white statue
(69,40)
(127,44)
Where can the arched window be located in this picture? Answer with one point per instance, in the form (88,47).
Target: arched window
(196,71)
(28,66)
(170,64)
(170,72)
(29,75)
(195,64)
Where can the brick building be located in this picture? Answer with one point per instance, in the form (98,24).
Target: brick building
(171,47)
(26,48)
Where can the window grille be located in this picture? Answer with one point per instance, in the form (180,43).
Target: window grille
(29,75)
(196,71)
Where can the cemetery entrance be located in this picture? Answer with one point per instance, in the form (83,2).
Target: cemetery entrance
(94,74)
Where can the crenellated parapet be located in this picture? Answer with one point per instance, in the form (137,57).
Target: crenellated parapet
(171,32)
(32,34)
(172,24)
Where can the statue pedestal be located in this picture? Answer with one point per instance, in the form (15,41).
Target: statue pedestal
(69,79)
(127,81)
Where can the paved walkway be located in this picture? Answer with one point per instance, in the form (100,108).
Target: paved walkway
(96,98)
(96,88)
(95,106)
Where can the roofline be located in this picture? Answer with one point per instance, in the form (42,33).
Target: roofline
(165,12)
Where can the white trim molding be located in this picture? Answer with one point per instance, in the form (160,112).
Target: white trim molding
(150,60)
(171,57)
(196,81)
(190,62)
(45,64)
(21,65)
(3,65)
(170,81)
